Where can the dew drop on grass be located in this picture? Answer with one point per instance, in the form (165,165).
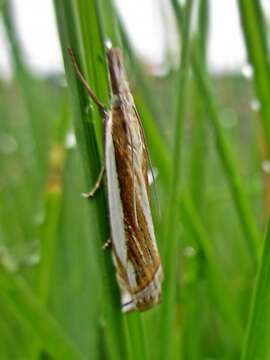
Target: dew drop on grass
(62,82)
(229,119)
(89,108)
(38,218)
(108,44)
(31,260)
(189,251)
(182,2)
(8,144)
(247,71)
(152,175)
(255,105)
(70,141)
(6,260)
(266,166)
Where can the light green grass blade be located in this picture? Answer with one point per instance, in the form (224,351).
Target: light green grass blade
(167,316)
(253,26)
(215,277)
(23,303)
(247,220)
(256,346)
(162,160)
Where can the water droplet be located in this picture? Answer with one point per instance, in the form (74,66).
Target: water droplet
(38,218)
(108,44)
(70,140)
(247,71)
(31,260)
(229,122)
(62,81)
(7,261)
(8,144)
(182,2)
(255,105)
(266,166)
(189,251)
(152,175)
(89,108)
(229,119)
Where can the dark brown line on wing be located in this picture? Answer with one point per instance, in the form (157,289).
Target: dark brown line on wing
(141,251)
(150,280)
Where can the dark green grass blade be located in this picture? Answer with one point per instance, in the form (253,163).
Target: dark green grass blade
(70,35)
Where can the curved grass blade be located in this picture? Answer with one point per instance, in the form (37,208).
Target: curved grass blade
(22,302)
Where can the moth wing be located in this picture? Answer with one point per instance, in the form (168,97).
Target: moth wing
(114,199)
(143,188)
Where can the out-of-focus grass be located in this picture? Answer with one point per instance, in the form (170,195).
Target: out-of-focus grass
(59,297)
(256,342)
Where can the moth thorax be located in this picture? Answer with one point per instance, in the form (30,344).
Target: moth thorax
(117,71)
(124,98)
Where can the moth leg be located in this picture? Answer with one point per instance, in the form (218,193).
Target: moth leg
(107,244)
(90,92)
(92,192)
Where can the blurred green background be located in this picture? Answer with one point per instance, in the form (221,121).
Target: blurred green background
(209,141)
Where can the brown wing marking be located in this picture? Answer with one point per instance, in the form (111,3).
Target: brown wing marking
(140,249)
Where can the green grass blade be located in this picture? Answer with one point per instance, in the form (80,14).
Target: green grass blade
(27,87)
(256,43)
(134,322)
(161,159)
(227,308)
(85,31)
(22,301)
(197,164)
(256,344)
(170,224)
(52,203)
(247,220)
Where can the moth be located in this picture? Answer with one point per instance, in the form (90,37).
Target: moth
(134,248)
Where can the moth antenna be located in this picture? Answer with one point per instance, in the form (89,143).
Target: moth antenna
(90,92)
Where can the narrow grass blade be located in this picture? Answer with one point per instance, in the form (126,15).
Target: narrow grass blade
(79,27)
(162,160)
(170,224)
(247,220)
(27,88)
(197,161)
(22,301)
(256,345)
(52,203)
(217,285)
(254,30)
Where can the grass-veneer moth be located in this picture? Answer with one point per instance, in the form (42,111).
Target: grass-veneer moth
(134,247)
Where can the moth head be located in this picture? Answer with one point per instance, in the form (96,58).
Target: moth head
(116,71)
